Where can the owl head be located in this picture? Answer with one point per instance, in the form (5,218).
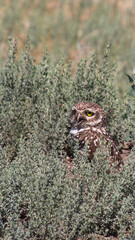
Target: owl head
(87,114)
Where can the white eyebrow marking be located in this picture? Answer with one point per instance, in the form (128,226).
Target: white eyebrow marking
(75,131)
(84,129)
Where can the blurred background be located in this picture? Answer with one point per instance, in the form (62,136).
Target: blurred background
(77,28)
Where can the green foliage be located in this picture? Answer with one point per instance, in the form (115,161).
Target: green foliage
(78,28)
(130,109)
(39,198)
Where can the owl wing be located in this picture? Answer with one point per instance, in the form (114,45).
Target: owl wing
(114,152)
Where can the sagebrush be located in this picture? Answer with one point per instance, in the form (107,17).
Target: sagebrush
(38,198)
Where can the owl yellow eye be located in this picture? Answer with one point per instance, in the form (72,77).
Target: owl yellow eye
(89,114)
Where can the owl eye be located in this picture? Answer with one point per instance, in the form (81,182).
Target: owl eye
(89,114)
(73,112)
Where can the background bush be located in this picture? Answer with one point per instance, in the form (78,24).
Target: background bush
(78,28)
(38,198)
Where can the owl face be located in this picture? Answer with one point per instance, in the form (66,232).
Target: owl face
(85,115)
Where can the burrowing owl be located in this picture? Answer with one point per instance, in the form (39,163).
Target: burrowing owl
(88,123)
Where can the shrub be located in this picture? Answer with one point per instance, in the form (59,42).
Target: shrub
(38,198)
(78,28)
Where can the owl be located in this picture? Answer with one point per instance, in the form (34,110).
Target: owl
(88,124)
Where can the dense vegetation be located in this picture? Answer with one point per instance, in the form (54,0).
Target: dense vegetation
(39,200)
(76,27)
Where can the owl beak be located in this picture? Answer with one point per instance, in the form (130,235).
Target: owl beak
(79,118)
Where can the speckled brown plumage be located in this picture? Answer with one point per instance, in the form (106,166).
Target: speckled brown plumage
(88,123)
